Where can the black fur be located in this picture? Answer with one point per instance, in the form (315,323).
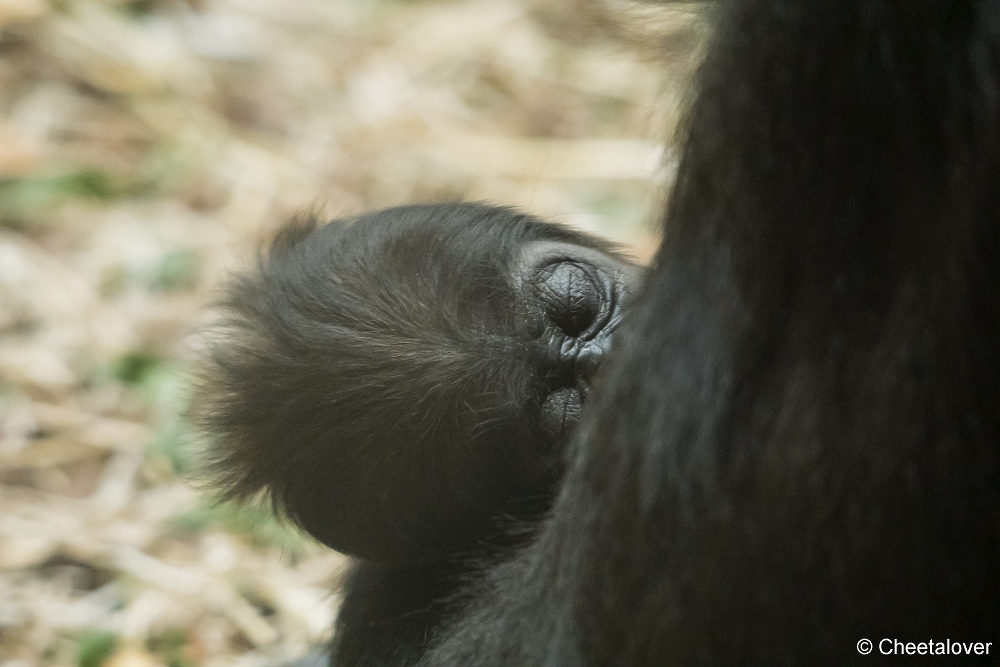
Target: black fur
(402,385)
(389,613)
(797,444)
(384,378)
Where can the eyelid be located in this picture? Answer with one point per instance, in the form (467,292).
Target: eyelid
(602,284)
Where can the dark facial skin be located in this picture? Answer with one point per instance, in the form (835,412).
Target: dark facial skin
(402,384)
(574,298)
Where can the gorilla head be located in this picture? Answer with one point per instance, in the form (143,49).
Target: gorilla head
(402,383)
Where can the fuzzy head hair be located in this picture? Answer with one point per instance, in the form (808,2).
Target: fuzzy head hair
(373,377)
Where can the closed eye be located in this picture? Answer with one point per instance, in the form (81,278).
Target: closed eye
(572,297)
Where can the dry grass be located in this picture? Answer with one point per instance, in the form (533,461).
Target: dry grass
(145,148)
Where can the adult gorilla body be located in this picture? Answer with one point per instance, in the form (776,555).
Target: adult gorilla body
(796,445)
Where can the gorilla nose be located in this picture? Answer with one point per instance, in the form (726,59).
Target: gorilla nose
(588,361)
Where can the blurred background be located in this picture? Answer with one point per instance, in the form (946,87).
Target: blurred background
(146,148)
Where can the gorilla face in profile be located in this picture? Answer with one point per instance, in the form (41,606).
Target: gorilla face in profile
(572,296)
(403,383)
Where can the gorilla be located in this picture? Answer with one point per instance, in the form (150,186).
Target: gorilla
(795,443)
(403,385)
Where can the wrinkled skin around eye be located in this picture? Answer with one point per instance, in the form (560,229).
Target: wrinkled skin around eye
(573,298)
(570,297)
